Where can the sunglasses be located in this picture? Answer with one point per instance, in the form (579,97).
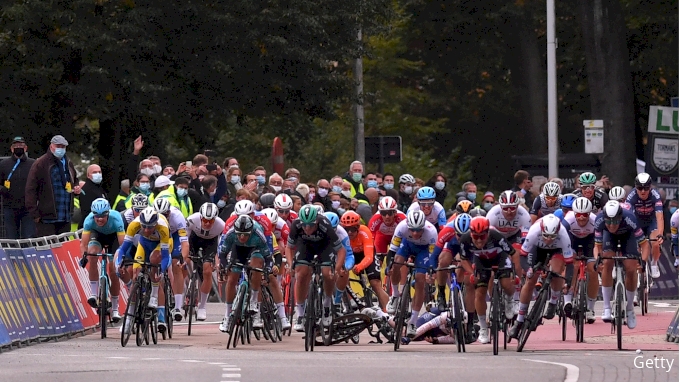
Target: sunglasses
(137,210)
(146,226)
(550,198)
(549,236)
(308,225)
(351,229)
(243,234)
(509,209)
(415,229)
(387,213)
(589,187)
(643,188)
(581,215)
(426,204)
(283,211)
(101,216)
(207,221)
(479,236)
(612,221)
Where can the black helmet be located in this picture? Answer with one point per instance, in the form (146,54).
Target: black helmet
(243,224)
(267,200)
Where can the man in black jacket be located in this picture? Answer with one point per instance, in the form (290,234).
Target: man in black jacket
(91,190)
(13,174)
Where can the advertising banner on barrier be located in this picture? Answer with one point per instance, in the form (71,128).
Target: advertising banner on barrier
(4,335)
(14,312)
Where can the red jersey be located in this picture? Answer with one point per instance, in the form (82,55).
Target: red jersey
(382,233)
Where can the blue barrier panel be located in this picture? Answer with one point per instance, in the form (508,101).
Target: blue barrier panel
(13,308)
(46,277)
(4,335)
(34,299)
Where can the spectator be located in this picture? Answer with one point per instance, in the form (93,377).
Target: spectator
(228,210)
(438,182)
(209,189)
(91,190)
(50,189)
(388,181)
(367,210)
(276,182)
(371,181)
(261,176)
(161,184)
(312,192)
(336,201)
(123,195)
(346,190)
(234,181)
(230,162)
(294,175)
(169,171)
(13,176)
(297,202)
(197,171)
(322,195)
(488,201)
(178,196)
(303,191)
(379,179)
(470,189)
(288,186)
(523,184)
(419,183)
(354,177)
(558,181)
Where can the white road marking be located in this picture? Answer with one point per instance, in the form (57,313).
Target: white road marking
(151,359)
(231,369)
(118,357)
(572,370)
(231,375)
(191,360)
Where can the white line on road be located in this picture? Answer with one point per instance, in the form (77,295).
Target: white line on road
(572,370)
(231,369)
(191,360)
(151,359)
(118,357)
(231,375)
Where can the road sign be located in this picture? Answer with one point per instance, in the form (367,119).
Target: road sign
(594,136)
(386,147)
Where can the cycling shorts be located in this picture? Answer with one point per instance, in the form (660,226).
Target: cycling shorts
(145,248)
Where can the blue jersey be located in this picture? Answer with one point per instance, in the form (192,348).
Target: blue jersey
(452,245)
(645,210)
(113,225)
(256,240)
(628,225)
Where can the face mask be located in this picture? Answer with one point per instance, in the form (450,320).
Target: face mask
(323,192)
(212,193)
(235,179)
(471,196)
(337,189)
(292,178)
(18,151)
(408,190)
(340,211)
(311,196)
(388,186)
(356,177)
(157,169)
(144,187)
(146,171)
(372,184)
(523,191)
(488,206)
(439,185)
(59,152)
(335,204)
(260,180)
(276,188)
(182,192)
(346,194)
(221,203)
(673,209)
(97,178)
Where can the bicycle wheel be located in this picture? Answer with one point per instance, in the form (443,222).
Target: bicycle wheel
(310,318)
(129,316)
(581,308)
(533,319)
(153,328)
(348,327)
(562,317)
(457,319)
(290,304)
(103,305)
(169,306)
(402,313)
(268,314)
(619,315)
(191,300)
(235,317)
(494,316)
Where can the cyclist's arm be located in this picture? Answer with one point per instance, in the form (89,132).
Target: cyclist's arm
(441,217)
(164,234)
(84,240)
(367,245)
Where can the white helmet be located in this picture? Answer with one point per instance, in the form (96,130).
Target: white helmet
(407,178)
(508,199)
(162,205)
(617,193)
(272,215)
(416,220)
(550,225)
(319,208)
(551,189)
(387,203)
(209,211)
(283,202)
(244,207)
(582,205)
(612,209)
(148,217)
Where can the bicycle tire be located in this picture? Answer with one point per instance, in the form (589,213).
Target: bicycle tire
(192,300)
(535,315)
(457,313)
(348,328)
(129,312)
(153,327)
(619,317)
(268,314)
(310,319)
(326,332)
(290,304)
(494,317)
(582,307)
(562,317)
(103,308)
(247,329)
(169,306)
(403,308)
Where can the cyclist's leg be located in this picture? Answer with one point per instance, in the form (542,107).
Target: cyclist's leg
(373,275)
(593,283)
(557,265)
(482,279)
(239,255)
(630,250)
(303,276)
(209,250)
(445,259)
(528,261)
(608,247)
(93,247)
(421,263)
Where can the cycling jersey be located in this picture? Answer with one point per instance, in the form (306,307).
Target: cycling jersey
(344,239)
(260,218)
(159,235)
(540,206)
(535,240)
(177,224)
(403,234)
(450,243)
(437,216)
(194,226)
(281,231)
(518,226)
(382,233)
(445,234)
(114,224)
(674,231)
(323,241)
(291,218)
(576,230)
(600,198)
(629,234)
(362,247)
(256,244)
(496,252)
(129,216)
(645,210)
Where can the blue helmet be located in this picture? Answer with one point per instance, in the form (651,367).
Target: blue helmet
(100,206)
(426,193)
(567,200)
(333,218)
(559,214)
(462,223)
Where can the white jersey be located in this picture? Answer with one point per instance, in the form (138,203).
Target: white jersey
(535,240)
(437,216)
(508,228)
(577,230)
(402,232)
(129,216)
(342,234)
(177,224)
(194,225)
(674,225)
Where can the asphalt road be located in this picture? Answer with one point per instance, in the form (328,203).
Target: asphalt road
(204,357)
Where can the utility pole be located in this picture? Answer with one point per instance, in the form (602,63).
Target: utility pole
(552,92)
(359,149)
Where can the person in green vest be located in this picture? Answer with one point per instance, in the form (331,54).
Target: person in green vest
(161,184)
(142,186)
(75,219)
(123,196)
(354,177)
(178,196)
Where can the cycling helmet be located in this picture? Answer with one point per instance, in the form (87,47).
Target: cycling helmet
(100,206)
(464,206)
(617,193)
(209,211)
(559,213)
(350,219)
(148,217)
(612,209)
(162,205)
(550,225)
(267,200)
(140,201)
(243,224)
(551,189)
(333,218)
(307,214)
(387,203)
(319,208)
(587,178)
(479,225)
(244,207)
(568,200)
(477,211)
(582,206)
(416,220)
(407,178)
(426,193)
(508,199)
(643,180)
(283,202)
(272,215)
(461,224)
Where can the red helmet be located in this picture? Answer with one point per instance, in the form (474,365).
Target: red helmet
(479,225)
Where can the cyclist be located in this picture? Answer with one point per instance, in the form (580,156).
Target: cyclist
(382,226)
(547,202)
(545,239)
(477,211)
(434,212)
(246,243)
(413,237)
(617,193)
(266,201)
(341,282)
(284,206)
(614,225)
(205,228)
(406,184)
(596,195)
(674,235)
(103,228)
(485,248)
(647,206)
(312,234)
(580,224)
(280,229)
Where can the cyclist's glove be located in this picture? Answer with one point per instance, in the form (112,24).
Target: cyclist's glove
(83,260)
